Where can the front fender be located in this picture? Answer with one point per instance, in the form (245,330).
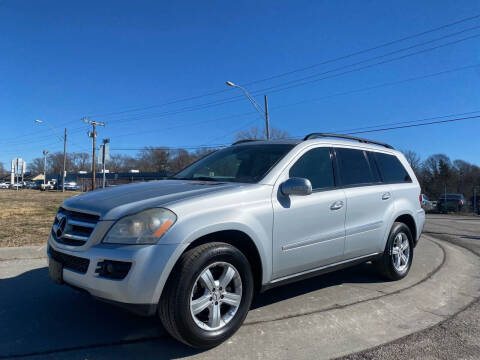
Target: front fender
(259,230)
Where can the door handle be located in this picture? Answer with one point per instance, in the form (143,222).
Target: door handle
(336,205)
(386,196)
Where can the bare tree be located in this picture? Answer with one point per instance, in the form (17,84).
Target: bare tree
(121,163)
(153,159)
(80,162)
(36,166)
(255,133)
(413,159)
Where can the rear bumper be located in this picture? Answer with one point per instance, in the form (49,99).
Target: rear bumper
(420,224)
(141,288)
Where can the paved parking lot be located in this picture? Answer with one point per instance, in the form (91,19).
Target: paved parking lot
(325,317)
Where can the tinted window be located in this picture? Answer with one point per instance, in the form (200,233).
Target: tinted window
(242,163)
(354,167)
(392,169)
(316,166)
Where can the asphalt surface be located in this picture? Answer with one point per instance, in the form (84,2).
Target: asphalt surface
(458,337)
(335,314)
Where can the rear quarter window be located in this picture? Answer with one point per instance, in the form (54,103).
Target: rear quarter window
(354,167)
(392,169)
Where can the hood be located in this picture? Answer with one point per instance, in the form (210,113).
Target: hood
(118,201)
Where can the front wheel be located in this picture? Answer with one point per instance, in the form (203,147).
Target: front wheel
(208,295)
(397,257)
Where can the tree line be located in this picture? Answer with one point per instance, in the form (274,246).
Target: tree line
(435,173)
(438,173)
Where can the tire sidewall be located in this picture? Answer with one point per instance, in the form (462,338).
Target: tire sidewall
(192,333)
(397,228)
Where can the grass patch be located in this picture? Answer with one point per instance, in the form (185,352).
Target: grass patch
(26,216)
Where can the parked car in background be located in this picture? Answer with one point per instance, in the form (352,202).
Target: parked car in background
(450,202)
(4,185)
(426,204)
(475,207)
(17,186)
(49,185)
(193,249)
(32,185)
(70,186)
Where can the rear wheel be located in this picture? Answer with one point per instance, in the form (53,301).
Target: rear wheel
(208,295)
(398,255)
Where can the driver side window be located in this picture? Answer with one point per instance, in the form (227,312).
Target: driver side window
(316,166)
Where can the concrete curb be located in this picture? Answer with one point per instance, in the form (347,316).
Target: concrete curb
(23,253)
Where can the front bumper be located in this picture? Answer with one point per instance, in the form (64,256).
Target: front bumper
(142,286)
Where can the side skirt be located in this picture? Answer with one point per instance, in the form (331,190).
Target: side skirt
(319,271)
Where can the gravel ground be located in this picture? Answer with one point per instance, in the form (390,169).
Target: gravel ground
(26,215)
(459,336)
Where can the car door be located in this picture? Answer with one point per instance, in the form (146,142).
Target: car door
(308,230)
(369,202)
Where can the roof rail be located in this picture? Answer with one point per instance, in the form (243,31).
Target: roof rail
(362,140)
(244,141)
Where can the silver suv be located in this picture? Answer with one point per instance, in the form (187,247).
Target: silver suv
(195,248)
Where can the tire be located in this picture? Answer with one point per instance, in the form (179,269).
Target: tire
(388,266)
(187,292)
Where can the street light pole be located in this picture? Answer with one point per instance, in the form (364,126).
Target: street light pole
(64,173)
(64,139)
(105,142)
(263,113)
(267,120)
(45,152)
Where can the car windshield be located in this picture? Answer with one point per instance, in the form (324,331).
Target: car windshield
(244,163)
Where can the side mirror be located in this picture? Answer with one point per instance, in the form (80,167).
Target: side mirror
(296,186)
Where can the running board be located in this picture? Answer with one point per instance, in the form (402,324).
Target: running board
(319,271)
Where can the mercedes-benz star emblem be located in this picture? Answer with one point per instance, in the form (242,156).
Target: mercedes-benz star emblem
(61,226)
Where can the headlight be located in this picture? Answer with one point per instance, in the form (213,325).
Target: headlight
(146,227)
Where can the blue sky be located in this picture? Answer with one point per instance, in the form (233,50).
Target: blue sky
(121,61)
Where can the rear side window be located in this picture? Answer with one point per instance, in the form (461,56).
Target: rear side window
(354,167)
(391,169)
(316,166)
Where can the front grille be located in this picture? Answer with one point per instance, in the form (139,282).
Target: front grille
(70,262)
(72,227)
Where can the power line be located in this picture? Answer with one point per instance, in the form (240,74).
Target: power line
(301,82)
(349,133)
(368,66)
(343,57)
(308,100)
(415,125)
(289,72)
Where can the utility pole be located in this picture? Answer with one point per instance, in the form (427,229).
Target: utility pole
(267,121)
(64,159)
(93,135)
(105,142)
(45,152)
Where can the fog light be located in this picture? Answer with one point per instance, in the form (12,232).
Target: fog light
(112,269)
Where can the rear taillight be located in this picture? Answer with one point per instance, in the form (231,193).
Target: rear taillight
(420,198)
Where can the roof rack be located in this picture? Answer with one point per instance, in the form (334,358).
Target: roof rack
(362,140)
(244,141)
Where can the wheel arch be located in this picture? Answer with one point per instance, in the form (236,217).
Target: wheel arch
(242,242)
(408,220)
